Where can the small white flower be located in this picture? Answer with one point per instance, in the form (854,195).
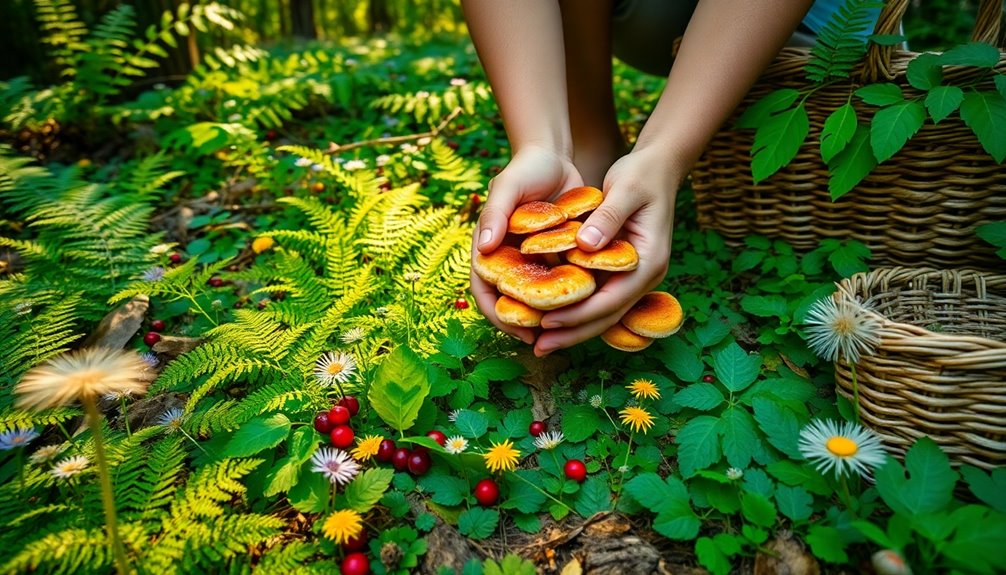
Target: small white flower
(22,308)
(317,167)
(409,148)
(458,81)
(14,438)
(412,277)
(382,160)
(350,61)
(422,94)
(339,161)
(230,103)
(382,311)
(335,464)
(623,469)
(456,444)
(171,419)
(117,395)
(733,474)
(354,335)
(45,453)
(334,367)
(154,274)
(160,249)
(841,329)
(303,162)
(70,466)
(842,447)
(424,141)
(549,440)
(596,401)
(353,165)
(453,415)
(234,118)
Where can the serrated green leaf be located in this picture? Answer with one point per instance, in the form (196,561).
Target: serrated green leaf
(711,333)
(794,474)
(698,445)
(396,503)
(711,557)
(472,424)
(837,131)
(989,488)
(941,101)
(286,471)
(884,94)
(772,103)
(701,396)
(765,305)
(478,523)
(893,126)
(594,497)
(758,509)
(740,437)
(446,489)
(527,522)
(929,486)
(367,489)
(850,258)
(425,521)
(924,72)
(852,164)
(683,360)
(579,422)
(779,424)
(311,493)
(777,142)
(985,114)
(496,369)
(516,423)
(258,434)
(994,233)
(976,546)
(399,387)
(794,502)
(971,54)
(827,543)
(521,495)
(735,368)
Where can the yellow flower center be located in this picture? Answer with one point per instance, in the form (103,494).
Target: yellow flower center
(85,380)
(842,446)
(334,368)
(844,326)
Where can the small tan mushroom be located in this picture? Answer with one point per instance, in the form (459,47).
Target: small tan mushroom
(535,216)
(620,338)
(578,201)
(546,288)
(617,256)
(656,314)
(513,312)
(490,267)
(552,241)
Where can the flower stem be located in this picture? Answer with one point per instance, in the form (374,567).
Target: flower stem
(107,498)
(125,416)
(545,493)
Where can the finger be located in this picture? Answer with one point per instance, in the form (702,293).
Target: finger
(613,299)
(485,295)
(606,221)
(554,339)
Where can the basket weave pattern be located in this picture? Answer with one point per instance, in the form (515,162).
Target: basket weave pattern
(940,369)
(919,208)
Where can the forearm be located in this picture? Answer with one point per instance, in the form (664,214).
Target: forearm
(727,44)
(520,45)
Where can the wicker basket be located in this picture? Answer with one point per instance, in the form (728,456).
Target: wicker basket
(918,208)
(940,369)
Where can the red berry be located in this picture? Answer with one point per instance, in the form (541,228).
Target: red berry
(342,435)
(151,338)
(271,135)
(476,199)
(339,415)
(321,423)
(385,451)
(419,462)
(487,492)
(461,303)
(358,543)
(484,153)
(216,282)
(438,436)
(157,325)
(175,258)
(452,144)
(400,460)
(537,428)
(575,470)
(355,564)
(708,378)
(350,403)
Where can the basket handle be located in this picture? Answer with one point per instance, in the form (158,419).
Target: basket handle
(878,58)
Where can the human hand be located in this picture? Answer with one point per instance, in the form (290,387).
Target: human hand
(534,173)
(639,206)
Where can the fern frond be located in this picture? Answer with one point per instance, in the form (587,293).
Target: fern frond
(840,44)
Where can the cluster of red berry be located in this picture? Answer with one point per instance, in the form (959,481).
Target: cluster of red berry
(335,422)
(153,336)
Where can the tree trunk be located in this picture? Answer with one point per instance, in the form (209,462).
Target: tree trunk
(302,19)
(380,16)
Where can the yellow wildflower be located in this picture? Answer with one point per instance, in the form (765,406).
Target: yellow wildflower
(502,457)
(342,525)
(644,388)
(637,418)
(367,447)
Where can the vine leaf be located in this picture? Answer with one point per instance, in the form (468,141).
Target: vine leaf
(985,114)
(852,164)
(838,130)
(971,54)
(777,141)
(893,126)
(399,388)
(942,101)
(924,72)
(881,94)
(772,103)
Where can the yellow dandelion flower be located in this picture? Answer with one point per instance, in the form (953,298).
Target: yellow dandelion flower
(502,456)
(637,418)
(261,244)
(367,447)
(342,525)
(644,388)
(86,375)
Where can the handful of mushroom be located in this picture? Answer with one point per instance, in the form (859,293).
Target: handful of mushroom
(548,271)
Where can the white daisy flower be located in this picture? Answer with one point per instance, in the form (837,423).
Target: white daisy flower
(549,440)
(733,474)
(160,249)
(424,141)
(85,374)
(335,464)
(596,401)
(354,335)
(14,438)
(334,367)
(317,167)
(456,444)
(409,148)
(842,329)
(303,162)
(45,453)
(453,415)
(382,160)
(412,276)
(458,81)
(171,419)
(352,165)
(70,466)
(623,469)
(842,447)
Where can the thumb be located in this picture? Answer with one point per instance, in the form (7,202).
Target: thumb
(604,223)
(495,217)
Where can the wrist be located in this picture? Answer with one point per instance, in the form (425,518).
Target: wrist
(550,144)
(666,160)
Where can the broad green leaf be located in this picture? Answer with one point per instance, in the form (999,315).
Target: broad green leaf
(802,475)
(521,495)
(873,533)
(711,557)
(989,488)
(941,101)
(526,522)
(794,502)
(826,542)
(838,130)
(887,39)
(711,333)
(758,509)
(994,233)
(929,486)
(852,164)
(478,523)
(893,126)
(579,422)
(311,493)
(496,369)
(399,387)
(652,491)
(698,445)
(683,360)
(396,503)
(257,434)
(284,474)
(771,103)
(701,396)
(740,437)
(971,54)
(1000,81)
(779,424)
(446,489)
(777,142)
(677,522)
(881,94)
(516,423)
(594,497)
(924,72)
(765,305)
(735,368)
(455,344)
(850,258)
(510,565)
(367,489)
(976,546)
(985,114)
(472,424)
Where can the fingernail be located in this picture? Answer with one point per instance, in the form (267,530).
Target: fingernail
(591,235)
(485,236)
(551,324)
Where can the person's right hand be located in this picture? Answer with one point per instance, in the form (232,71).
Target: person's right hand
(534,173)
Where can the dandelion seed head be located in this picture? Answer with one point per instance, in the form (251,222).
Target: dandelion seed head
(841,329)
(84,374)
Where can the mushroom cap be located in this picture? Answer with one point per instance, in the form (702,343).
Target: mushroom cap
(580,200)
(617,256)
(545,288)
(502,260)
(553,240)
(513,312)
(618,337)
(656,314)
(535,216)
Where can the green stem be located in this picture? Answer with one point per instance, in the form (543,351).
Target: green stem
(69,437)
(107,498)
(621,476)
(543,492)
(125,416)
(846,498)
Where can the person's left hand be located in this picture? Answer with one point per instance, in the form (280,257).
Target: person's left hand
(639,193)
